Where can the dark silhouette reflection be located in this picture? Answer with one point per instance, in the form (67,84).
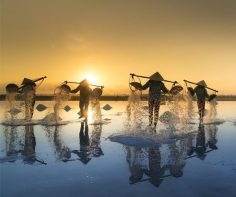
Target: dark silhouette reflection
(203,145)
(16,150)
(145,162)
(29,146)
(84,153)
(157,163)
(155,172)
(90,145)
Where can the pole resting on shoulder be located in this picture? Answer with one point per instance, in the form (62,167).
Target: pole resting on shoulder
(186,81)
(145,77)
(39,79)
(73,82)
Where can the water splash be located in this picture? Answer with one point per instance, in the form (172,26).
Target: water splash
(12,108)
(134,111)
(212,110)
(53,118)
(61,96)
(182,110)
(29,99)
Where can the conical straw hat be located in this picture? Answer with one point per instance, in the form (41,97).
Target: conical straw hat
(84,82)
(202,83)
(26,81)
(156,77)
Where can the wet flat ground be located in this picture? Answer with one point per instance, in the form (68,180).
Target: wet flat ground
(117,154)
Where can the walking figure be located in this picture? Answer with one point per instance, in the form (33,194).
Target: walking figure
(201,94)
(156,87)
(85,92)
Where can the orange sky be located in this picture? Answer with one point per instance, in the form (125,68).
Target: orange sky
(70,39)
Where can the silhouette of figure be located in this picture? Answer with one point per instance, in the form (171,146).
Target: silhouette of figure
(155,171)
(84,153)
(85,92)
(202,94)
(156,87)
(29,90)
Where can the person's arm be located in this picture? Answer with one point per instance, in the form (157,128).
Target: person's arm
(76,89)
(164,89)
(146,85)
(195,90)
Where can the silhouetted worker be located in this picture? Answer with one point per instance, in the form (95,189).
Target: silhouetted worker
(202,94)
(85,92)
(156,87)
(29,90)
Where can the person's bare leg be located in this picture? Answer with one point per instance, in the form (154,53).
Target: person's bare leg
(150,106)
(81,106)
(156,112)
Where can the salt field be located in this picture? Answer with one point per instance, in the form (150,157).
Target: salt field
(116,154)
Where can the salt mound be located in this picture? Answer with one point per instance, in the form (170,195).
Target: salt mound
(67,108)
(107,107)
(41,107)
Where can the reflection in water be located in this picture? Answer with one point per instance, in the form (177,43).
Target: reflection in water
(30,144)
(84,152)
(176,159)
(16,150)
(155,171)
(96,129)
(149,164)
(11,141)
(62,151)
(201,147)
(90,146)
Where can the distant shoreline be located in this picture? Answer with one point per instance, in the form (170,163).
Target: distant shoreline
(112,97)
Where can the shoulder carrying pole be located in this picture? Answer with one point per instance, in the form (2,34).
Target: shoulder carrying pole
(79,83)
(39,79)
(132,74)
(186,81)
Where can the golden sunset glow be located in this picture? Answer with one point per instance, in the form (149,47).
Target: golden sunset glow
(91,78)
(76,39)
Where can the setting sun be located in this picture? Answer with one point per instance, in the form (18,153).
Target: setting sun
(91,78)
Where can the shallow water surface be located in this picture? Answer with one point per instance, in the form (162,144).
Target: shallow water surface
(117,155)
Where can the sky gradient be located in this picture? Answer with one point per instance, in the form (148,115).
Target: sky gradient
(108,39)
